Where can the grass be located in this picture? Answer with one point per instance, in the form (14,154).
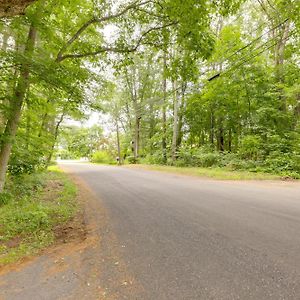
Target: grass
(32,206)
(216,173)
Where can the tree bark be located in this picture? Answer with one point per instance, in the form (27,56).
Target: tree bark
(164,113)
(221,138)
(175,124)
(11,8)
(279,61)
(56,130)
(212,128)
(16,108)
(181,114)
(137,136)
(118,143)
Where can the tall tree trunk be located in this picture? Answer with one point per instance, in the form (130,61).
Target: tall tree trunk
(175,123)
(279,61)
(56,131)
(229,139)
(28,125)
(16,108)
(180,115)
(152,126)
(212,128)
(5,37)
(164,113)
(118,143)
(221,138)
(137,137)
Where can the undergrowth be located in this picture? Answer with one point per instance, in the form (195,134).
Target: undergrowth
(28,215)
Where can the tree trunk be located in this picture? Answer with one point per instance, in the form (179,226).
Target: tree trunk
(118,143)
(16,108)
(212,128)
(221,138)
(137,137)
(28,125)
(164,113)
(279,61)
(152,127)
(229,139)
(175,124)
(56,130)
(181,114)
(5,37)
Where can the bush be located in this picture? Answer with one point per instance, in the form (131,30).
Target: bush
(154,159)
(207,160)
(102,157)
(198,158)
(132,160)
(24,184)
(26,163)
(251,147)
(27,218)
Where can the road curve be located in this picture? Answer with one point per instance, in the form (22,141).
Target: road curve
(190,238)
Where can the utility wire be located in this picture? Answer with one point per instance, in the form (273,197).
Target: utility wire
(255,40)
(234,67)
(161,100)
(252,31)
(247,46)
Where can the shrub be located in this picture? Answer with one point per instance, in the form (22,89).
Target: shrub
(26,163)
(206,160)
(102,157)
(251,147)
(198,158)
(132,160)
(155,158)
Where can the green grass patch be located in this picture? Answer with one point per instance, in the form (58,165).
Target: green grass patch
(30,208)
(216,173)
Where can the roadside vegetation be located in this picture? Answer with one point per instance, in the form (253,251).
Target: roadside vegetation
(32,208)
(215,173)
(209,85)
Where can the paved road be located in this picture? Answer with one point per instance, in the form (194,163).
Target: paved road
(190,238)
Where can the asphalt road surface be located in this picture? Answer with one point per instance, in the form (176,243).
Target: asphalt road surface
(190,238)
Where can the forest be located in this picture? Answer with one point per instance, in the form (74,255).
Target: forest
(193,83)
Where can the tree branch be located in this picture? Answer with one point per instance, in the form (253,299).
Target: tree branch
(105,49)
(95,20)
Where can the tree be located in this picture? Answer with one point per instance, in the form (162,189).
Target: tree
(9,8)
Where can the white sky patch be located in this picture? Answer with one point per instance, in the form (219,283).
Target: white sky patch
(110,33)
(94,118)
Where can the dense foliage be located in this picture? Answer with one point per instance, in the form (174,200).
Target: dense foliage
(189,83)
(238,108)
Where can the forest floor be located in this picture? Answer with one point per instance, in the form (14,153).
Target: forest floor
(215,173)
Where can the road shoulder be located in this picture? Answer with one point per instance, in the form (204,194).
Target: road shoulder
(87,266)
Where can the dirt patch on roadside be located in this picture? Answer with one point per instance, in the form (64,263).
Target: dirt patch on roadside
(74,230)
(52,190)
(12,243)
